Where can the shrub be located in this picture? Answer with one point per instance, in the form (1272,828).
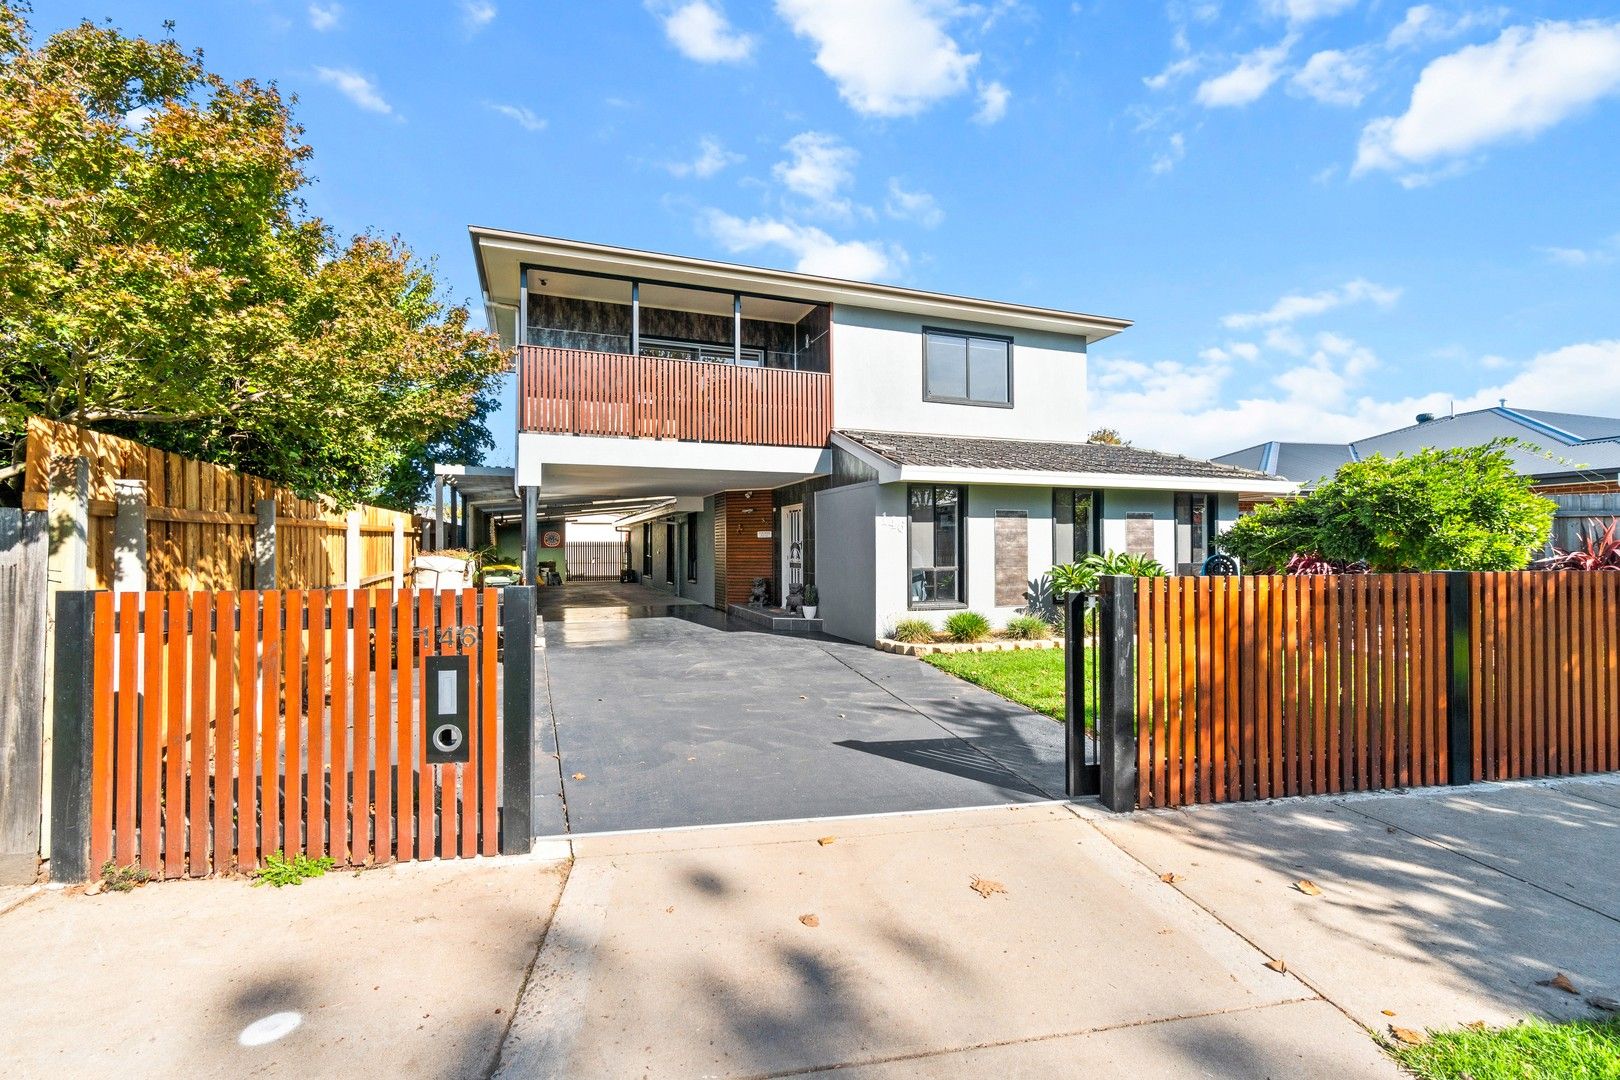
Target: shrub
(967,626)
(1027,627)
(122,878)
(1082,576)
(1600,551)
(1457,509)
(913,631)
(812,596)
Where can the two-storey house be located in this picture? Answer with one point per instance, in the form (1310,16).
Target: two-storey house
(909,453)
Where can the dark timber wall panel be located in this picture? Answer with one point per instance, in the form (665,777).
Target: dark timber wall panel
(741,554)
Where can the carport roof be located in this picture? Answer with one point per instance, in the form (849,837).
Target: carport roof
(491,490)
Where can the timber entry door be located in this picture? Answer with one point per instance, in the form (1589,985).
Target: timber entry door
(792,548)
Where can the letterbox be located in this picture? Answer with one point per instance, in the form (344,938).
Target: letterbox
(447,698)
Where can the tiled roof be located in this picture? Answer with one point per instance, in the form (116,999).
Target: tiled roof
(956,451)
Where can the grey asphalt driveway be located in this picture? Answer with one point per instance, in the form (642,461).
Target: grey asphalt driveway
(670,716)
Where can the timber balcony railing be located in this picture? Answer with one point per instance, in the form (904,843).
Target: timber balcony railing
(574,392)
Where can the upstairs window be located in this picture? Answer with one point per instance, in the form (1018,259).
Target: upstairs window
(967,369)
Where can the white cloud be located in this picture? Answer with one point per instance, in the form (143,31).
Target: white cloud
(1426,23)
(1168,158)
(1304,11)
(993,99)
(356,87)
(524,117)
(701,32)
(1594,256)
(1517,86)
(818,167)
(1192,408)
(1296,306)
(1333,78)
(1245,350)
(918,206)
(477,14)
(813,251)
(1249,80)
(325,16)
(887,57)
(1173,71)
(712,157)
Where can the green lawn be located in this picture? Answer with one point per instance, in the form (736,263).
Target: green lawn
(1579,1050)
(1031,677)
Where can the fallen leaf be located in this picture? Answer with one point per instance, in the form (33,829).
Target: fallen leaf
(670,910)
(579,776)
(825,840)
(804,697)
(1279,965)
(94,888)
(809,920)
(1170,878)
(1308,887)
(1475,1025)
(1560,981)
(1387,1012)
(1607,1004)
(985,887)
(1407,1035)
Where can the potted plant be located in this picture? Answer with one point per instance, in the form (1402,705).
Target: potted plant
(812,598)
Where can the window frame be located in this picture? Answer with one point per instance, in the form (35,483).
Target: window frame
(1094,530)
(1211,516)
(967,336)
(691,547)
(961,602)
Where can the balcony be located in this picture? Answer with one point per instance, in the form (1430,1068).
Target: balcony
(583,392)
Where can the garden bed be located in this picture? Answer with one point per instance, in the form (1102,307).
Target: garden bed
(925,648)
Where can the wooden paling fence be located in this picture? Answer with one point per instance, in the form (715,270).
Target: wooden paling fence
(1227,689)
(199,524)
(223,727)
(1545,673)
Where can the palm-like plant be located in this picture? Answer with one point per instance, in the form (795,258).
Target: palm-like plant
(1600,551)
(1082,576)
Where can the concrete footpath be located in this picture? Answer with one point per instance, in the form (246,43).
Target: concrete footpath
(409,970)
(762,951)
(1034,940)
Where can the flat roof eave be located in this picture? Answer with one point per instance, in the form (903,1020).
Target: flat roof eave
(500,254)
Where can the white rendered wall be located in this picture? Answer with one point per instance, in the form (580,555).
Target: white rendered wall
(878,381)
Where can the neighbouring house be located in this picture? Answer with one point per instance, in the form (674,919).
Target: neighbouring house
(1573,459)
(909,453)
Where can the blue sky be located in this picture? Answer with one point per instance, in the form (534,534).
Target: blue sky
(1324,215)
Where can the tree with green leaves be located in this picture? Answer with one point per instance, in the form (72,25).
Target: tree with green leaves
(161,278)
(1455,509)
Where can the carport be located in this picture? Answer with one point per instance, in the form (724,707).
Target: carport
(665,714)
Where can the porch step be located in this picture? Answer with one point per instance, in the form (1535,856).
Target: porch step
(774,619)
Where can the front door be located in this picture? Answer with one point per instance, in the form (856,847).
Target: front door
(792,548)
(669,555)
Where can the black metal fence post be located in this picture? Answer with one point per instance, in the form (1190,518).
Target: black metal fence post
(1459,678)
(1080,775)
(517,704)
(1116,712)
(71,742)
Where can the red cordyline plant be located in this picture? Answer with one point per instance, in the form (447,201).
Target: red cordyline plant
(1310,564)
(1601,551)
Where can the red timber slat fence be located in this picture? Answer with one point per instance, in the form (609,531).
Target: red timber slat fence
(206,731)
(574,392)
(1228,689)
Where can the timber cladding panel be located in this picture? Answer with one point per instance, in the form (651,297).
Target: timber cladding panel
(741,553)
(201,517)
(1012,557)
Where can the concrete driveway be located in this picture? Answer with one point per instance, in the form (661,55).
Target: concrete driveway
(667,715)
